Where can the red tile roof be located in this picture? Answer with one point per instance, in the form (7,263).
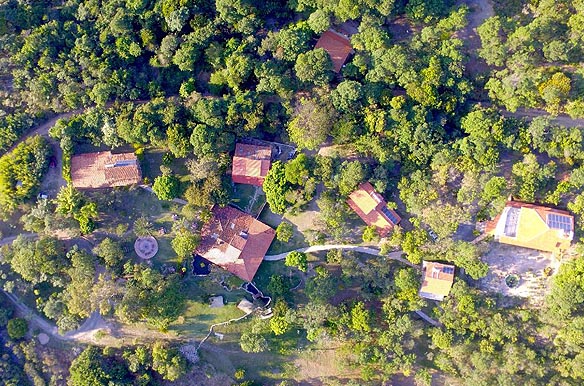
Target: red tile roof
(235,241)
(251,164)
(105,170)
(372,208)
(533,226)
(437,280)
(338,47)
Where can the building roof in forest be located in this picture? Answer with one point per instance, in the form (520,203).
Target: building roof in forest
(437,280)
(533,226)
(251,164)
(235,241)
(105,170)
(372,208)
(338,47)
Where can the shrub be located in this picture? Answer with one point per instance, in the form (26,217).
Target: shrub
(17,328)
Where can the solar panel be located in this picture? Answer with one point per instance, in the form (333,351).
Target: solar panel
(390,215)
(511,222)
(448,270)
(127,162)
(558,221)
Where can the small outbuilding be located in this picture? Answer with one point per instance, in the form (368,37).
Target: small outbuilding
(372,209)
(251,164)
(437,279)
(337,45)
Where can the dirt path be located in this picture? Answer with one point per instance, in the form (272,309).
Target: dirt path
(83,334)
(479,11)
(529,114)
(33,318)
(368,250)
(9,240)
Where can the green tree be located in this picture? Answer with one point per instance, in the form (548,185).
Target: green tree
(69,200)
(17,328)
(166,187)
(167,362)
(143,227)
(36,261)
(347,96)
(319,21)
(111,252)
(92,368)
(351,175)
(284,232)
(314,67)
(492,48)
(297,170)
(311,123)
(184,243)
(369,233)
(276,187)
(298,260)
(360,318)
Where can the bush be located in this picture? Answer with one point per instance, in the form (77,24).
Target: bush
(284,232)
(17,328)
(253,343)
(166,187)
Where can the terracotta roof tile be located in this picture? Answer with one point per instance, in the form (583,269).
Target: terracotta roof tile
(437,280)
(105,170)
(235,241)
(533,226)
(251,164)
(338,47)
(372,208)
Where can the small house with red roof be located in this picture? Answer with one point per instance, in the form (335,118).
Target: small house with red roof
(372,209)
(235,241)
(104,170)
(338,47)
(251,164)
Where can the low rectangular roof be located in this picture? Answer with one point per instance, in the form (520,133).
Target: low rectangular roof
(251,164)
(437,280)
(105,170)
(372,208)
(338,47)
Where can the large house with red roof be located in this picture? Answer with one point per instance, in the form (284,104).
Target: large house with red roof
(533,226)
(372,209)
(251,164)
(338,47)
(104,170)
(235,241)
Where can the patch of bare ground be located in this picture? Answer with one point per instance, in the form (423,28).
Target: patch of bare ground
(204,375)
(314,365)
(528,264)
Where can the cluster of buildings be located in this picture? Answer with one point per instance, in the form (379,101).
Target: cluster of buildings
(238,242)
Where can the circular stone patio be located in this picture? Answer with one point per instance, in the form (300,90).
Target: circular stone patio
(146,247)
(43,338)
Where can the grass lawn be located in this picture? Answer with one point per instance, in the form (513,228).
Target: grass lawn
(242,195)
(198,318)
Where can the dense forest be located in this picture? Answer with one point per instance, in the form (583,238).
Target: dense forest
(445,126)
